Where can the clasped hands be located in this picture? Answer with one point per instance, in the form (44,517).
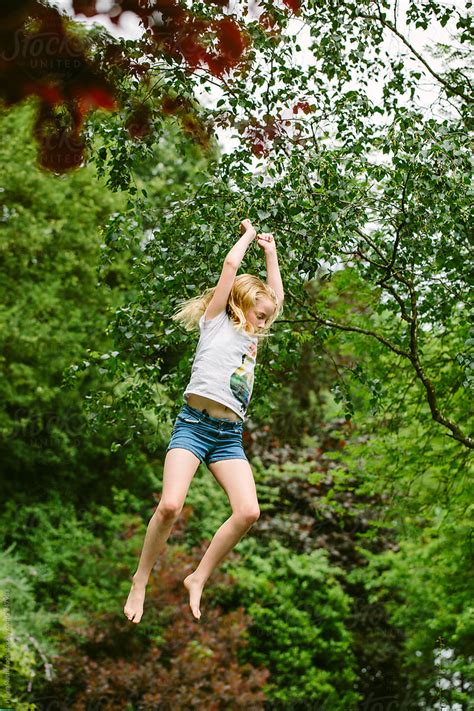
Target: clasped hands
(264,240)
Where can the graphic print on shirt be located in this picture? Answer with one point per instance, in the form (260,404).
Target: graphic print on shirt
(241,380)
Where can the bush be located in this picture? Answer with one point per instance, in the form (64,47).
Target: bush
(168,661)
(299,612)
(23,633)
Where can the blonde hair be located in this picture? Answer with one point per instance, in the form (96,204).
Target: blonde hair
(245,291)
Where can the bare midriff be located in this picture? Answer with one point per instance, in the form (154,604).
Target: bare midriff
(212,407)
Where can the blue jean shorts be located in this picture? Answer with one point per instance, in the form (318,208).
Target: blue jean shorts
(209,438)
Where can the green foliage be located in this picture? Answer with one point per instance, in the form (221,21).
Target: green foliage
(422,581)
(62,547)
(426,587)
(299,613)
(51,311)
(54,314)
(82,559)
(354,588)
(326,227)
(18,662)
(341,179)
(65,566)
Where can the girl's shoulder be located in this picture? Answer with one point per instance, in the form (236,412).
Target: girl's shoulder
(207,324)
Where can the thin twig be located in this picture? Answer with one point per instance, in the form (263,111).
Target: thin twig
(450,89)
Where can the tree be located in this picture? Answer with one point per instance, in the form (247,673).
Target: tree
(341,179)
(50,57)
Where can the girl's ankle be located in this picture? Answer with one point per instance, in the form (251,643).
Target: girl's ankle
(139,580)
(196,578)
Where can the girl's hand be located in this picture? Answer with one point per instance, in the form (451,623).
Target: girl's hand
(246,226)
(266,242)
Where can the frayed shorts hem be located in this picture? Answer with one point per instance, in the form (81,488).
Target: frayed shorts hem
(203,461)
(222,459)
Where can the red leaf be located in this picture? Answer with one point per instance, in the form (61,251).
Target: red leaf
(102,98)
(139,122)
(294,5)
(61,147)
(85,7)
(267,21)
(48,92)
(304,106)
(258,149)
(92,97)
(230,38)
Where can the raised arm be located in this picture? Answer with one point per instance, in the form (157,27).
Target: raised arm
(232,261)
(267,243)
(236,254)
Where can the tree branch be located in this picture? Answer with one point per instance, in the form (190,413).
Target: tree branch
(430,392)
(450,89)
(411,355)
(354,329)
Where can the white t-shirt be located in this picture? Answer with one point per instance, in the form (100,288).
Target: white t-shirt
(224,364)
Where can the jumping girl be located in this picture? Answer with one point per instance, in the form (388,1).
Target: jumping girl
(232,317)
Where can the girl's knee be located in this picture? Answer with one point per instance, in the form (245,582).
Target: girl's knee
(248,516)
(168,510)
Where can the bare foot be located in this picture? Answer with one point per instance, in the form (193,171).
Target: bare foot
(134,606)
(194,587)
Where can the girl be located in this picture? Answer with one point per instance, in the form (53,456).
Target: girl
(232,317)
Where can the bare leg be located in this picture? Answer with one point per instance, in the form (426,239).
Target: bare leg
(180,467)
(225,538)
(236,478)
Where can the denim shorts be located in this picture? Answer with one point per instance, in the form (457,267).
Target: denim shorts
(209,438)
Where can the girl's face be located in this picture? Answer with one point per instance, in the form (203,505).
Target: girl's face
(258,315)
